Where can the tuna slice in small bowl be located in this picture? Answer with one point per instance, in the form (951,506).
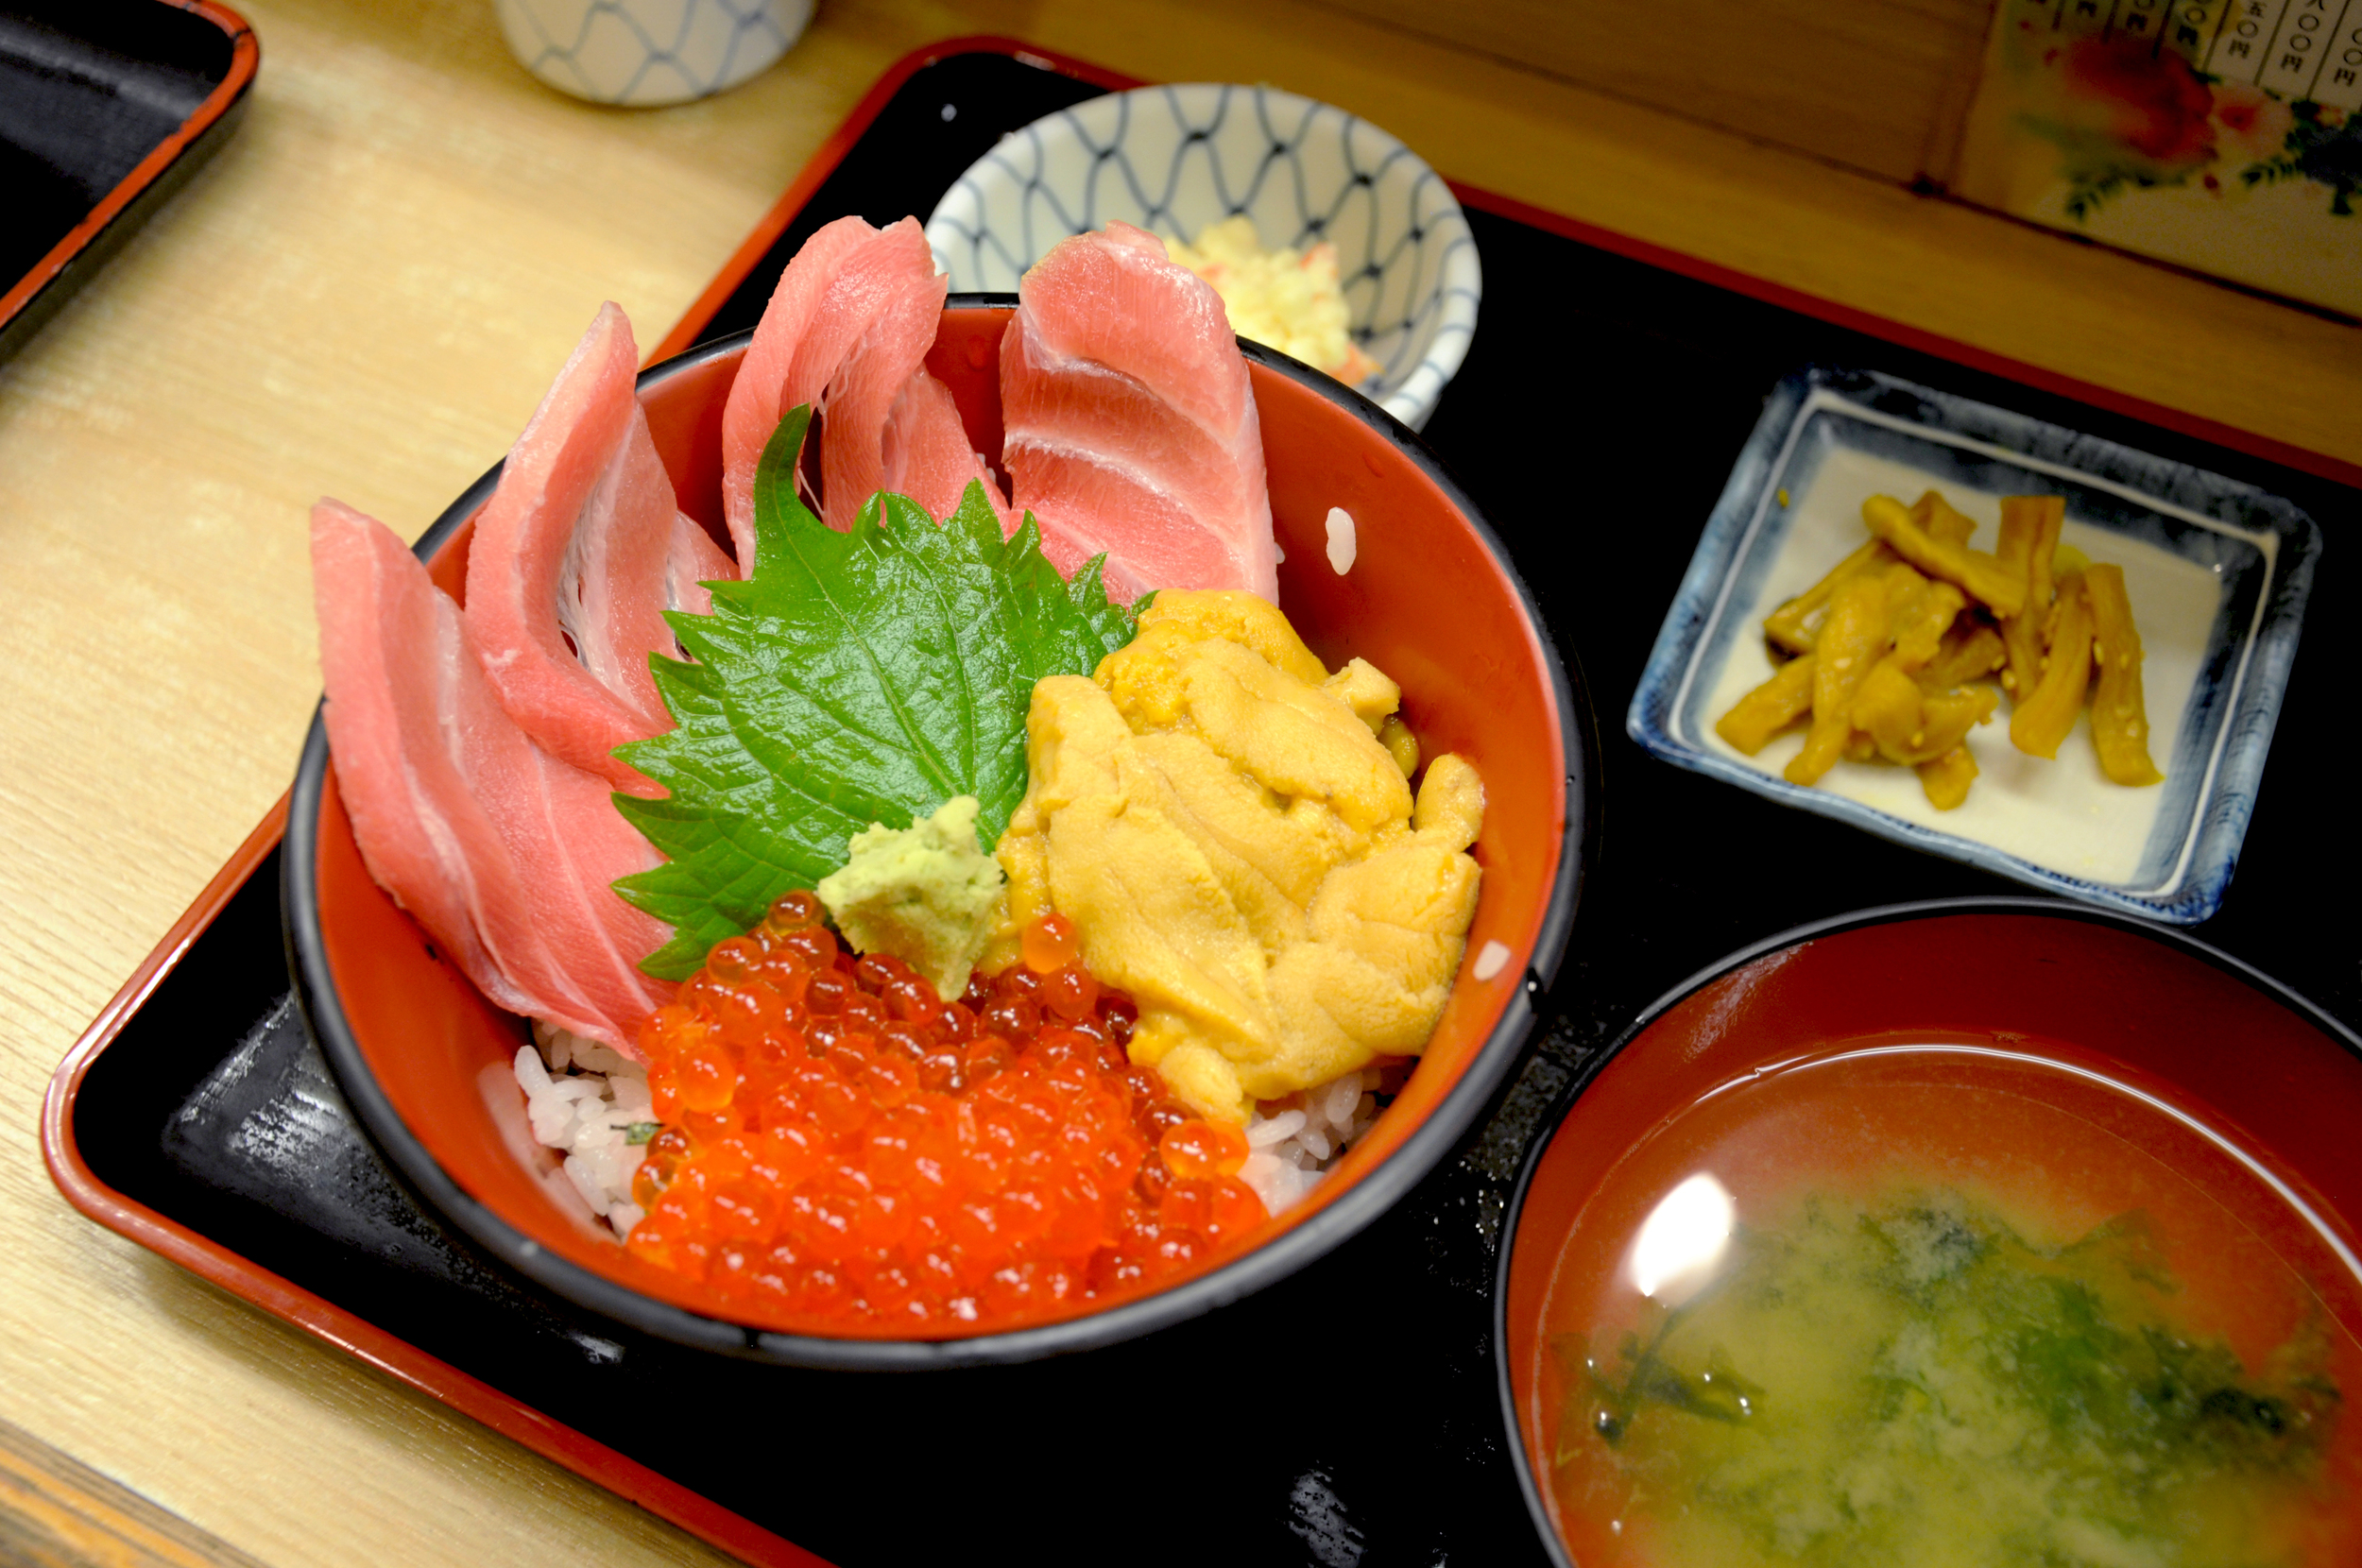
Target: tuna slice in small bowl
(1379,558)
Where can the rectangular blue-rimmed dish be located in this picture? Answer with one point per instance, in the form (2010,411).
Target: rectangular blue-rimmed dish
(2217,572)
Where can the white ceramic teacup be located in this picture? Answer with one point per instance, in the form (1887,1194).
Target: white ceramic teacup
(643,52)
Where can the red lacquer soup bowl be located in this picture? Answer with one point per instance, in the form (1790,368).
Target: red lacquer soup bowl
(2096,1081)
(1431,599)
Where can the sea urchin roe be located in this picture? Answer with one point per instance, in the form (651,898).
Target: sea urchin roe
(1239,846)
(844,1150)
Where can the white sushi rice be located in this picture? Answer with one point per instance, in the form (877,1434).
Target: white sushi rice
(583,1099)
(1291,1150)
(1343,544)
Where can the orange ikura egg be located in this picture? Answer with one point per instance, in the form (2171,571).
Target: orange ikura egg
(1050,944)
(1203,1150)
(844,1151)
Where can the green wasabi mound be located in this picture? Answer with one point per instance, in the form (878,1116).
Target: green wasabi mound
(924,894)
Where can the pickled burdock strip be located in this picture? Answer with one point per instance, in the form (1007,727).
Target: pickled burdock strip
(1886,708)
(1852,640)
(1770,707)
(1970,651)
(1945,720)
(1886,705)
(2045,718)
(1980,574)
(2030,537)
(1921,619)
(2050,518)
(1946,780)
(1796,625)
(1941,520)
(1913,726)
(2119,714)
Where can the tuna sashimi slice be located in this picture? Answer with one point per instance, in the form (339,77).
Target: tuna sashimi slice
(1086,508)
(567,574)
(1105,467)
(695,560)
(1114,299)
(383,648)
(928,455)
(828,301)
(569,842)
(1130,420)
(868,277)
(865,389)
(420,740)
(754,409)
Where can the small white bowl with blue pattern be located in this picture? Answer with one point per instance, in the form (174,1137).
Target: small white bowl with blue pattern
(2218,572)
(641,54)
(1177,159)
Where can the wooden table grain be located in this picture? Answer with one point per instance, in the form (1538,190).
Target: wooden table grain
(366,293)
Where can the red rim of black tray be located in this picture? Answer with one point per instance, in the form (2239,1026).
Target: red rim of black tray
(512,1417)
(245,54)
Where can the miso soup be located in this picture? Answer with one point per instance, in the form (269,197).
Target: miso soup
(1938,1305)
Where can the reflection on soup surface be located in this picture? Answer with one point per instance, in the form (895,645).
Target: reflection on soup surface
(1940,1307)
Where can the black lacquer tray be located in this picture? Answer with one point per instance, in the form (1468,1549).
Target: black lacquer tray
(1347,1415)
(106,107)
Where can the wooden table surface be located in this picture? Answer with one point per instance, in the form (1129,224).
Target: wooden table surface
(366,293)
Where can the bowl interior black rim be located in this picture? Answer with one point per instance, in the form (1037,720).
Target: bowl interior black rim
(1486,1073)
(1528,1485)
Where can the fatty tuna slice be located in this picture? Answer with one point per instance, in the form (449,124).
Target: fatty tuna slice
(388,639)
(860,278)
(567,574)
(864,391)
(754,409)
(569,842)
(928,455)
(1130,421)
(422,745)
(871,274)
(1104,469)
(694,561)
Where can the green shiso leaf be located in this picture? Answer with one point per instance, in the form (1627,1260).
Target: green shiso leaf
(852,678)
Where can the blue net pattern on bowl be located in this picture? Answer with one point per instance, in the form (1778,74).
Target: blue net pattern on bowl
(1173,160)
(610,55)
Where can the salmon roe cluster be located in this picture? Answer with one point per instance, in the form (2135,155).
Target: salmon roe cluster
(841,1148)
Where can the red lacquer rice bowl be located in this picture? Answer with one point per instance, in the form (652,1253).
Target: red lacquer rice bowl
(426,1061)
